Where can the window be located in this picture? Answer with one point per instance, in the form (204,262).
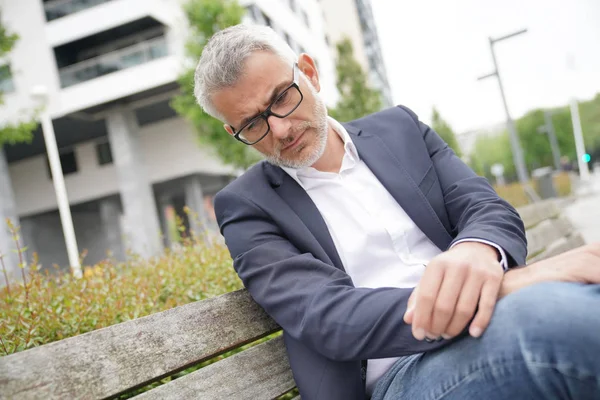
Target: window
(7,84)
(103,153)
(68,161)
(293,5)
(305,17)
(266,19)
(254,12)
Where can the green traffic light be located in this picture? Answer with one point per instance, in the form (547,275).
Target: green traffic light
(586,158)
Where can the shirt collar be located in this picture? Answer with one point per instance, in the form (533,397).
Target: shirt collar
(351,156)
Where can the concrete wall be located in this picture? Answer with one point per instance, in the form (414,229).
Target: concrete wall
(170,150)
(341,19)
(32,59)
(47,237)
(33,63)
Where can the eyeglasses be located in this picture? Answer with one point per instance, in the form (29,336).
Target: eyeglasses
(258,127)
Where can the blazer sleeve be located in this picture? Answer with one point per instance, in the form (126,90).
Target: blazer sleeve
(474,208)
(314,302)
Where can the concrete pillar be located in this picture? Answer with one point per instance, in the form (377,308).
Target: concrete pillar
(110,214)
(194,199)
(7,210)
(140,215)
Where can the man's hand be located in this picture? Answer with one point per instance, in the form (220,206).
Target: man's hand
(578,265)
(454,284)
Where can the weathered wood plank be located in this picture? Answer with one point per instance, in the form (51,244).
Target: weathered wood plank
(533,214)
(547,232)
(560,246)
(108,361)
(261,372)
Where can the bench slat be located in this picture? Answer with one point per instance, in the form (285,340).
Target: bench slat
(108,361)
(560,246)
(547,232)
(535,213)
(261,372)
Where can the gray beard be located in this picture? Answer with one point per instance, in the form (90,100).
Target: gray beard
(320,127)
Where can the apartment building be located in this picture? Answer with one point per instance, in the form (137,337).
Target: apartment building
(354,19)
(129,161)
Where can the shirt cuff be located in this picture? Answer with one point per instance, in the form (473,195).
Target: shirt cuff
(503,259)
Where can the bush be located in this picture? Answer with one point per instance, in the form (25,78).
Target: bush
(54,306)
(516,196)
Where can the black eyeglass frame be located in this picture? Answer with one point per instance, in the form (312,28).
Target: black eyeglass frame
(267,113)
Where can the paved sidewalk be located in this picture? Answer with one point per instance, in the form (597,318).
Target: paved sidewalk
(584,212)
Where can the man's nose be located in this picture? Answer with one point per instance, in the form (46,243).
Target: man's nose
(280,127)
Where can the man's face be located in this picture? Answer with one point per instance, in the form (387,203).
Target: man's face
(295,141)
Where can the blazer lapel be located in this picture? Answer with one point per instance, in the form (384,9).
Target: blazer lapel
(392,174)
(301,203)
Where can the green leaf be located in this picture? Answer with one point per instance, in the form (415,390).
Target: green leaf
(18,132)
(357,98)
(205,18)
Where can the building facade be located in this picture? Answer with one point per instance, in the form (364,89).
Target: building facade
(354,19)
(129,161)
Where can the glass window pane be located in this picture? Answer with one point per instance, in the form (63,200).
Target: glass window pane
(104,153)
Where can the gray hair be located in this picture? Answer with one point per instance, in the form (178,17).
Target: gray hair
(222,60)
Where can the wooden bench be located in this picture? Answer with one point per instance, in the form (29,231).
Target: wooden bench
(548,231)
(115,360)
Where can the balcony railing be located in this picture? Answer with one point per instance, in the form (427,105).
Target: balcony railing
(118,60)
(60,8)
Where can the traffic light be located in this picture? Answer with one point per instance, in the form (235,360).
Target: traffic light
(586,158)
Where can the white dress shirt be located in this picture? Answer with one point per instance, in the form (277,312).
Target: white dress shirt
(379,245)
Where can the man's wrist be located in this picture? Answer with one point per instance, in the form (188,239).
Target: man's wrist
(501,254)
(520,277)
(480,247)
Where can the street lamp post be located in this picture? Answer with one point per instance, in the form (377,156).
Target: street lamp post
(40,94)
(517,150)
(548,128)
(582,163)
(584,170)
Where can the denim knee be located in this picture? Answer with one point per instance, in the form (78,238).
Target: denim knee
(552,311)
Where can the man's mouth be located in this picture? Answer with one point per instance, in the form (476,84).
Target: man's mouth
(295,142)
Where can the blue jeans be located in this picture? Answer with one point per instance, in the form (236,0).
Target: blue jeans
(543,343)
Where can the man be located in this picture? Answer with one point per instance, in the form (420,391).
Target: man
(379,252)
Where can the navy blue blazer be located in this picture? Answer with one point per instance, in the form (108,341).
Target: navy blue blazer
(286,258)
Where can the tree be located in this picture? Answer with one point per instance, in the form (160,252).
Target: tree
(12,132)
(590,122)
(490,150)
(357,99)
(445,131)
(205,18)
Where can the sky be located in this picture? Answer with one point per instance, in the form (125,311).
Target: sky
(434,51)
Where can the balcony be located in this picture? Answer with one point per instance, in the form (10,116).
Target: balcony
(60,8)
(118,60)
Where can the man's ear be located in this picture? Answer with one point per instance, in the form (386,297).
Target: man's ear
(308,67)
(228,129)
